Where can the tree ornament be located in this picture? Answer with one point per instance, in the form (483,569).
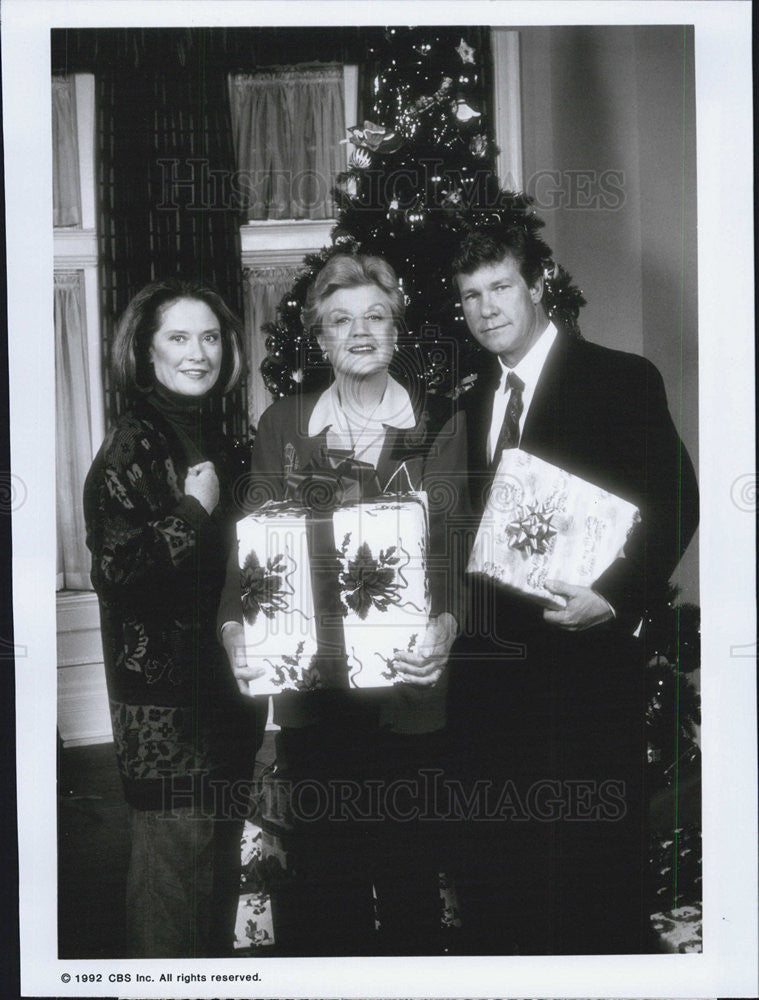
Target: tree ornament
(423,103)
(415,217)
(393,210)
(444,88)
(462,111)
(375,137)
(347,185)
(478,145)
(361,158)
(345,241)
(423,48)
(451,201)
(466,52)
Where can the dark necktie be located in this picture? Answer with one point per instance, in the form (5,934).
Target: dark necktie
(509,433)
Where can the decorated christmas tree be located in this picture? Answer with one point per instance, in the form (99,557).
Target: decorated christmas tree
(421,174)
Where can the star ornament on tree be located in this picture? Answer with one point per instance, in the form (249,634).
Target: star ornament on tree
(466,52)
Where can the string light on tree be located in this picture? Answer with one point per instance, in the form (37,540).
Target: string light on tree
(415,218)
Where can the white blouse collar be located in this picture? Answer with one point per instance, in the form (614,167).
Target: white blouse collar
(394,410)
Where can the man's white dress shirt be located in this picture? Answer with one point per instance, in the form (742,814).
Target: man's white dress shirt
(528,370)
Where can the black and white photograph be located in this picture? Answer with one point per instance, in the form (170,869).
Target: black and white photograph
(382,490)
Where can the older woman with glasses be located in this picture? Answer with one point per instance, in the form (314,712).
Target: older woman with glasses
(355,310)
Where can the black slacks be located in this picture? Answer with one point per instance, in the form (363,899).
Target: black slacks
(358,845)
(550,757)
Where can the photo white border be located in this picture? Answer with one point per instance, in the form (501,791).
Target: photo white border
(728,964)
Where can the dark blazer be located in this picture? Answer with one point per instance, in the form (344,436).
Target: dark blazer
(433,450)
(602,415)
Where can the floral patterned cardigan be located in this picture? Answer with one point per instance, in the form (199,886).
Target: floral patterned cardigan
(158,567)
(434,453)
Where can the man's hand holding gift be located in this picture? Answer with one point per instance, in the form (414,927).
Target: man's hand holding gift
(425,668)
(233,639)
(585,608)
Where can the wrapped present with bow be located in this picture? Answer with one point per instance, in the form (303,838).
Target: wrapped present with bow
(542,523)
(334,579)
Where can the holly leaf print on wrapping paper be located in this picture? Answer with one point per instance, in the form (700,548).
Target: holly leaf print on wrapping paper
(368,582)
(288,669)
(263,587)
(288,672)
(390,672)
(310,679)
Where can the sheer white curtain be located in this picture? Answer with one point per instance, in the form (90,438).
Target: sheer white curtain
(73,448)
(287,126)
(67,202)
(264,287)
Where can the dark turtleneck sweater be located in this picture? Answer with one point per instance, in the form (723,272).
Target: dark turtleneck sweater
(187,416)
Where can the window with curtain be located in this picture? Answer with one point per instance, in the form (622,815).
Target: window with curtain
(163,138)
(67,205)
(73,447)
(287,126)
(263,287)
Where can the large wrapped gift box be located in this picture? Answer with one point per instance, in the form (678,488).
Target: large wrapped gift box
(327,597)
(384,589)
(542,523)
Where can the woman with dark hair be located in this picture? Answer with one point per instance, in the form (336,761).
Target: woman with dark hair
(157,504)
(358,740)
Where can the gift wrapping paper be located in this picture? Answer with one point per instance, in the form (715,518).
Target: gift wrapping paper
(279,620)
(542,523)
(328,597)
(384,587)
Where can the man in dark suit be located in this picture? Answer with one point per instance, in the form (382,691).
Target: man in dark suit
(547,706)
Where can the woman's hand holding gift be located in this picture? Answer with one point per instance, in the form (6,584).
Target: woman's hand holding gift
(424,669)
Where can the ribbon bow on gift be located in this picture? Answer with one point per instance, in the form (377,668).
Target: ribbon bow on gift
(531,530)
(336,479)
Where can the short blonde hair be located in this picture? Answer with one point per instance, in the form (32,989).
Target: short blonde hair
(351,271)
